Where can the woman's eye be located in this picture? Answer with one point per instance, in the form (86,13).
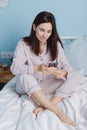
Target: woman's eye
(49,31)
(42,30)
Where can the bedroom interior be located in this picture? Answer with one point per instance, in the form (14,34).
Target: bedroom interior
(16,112)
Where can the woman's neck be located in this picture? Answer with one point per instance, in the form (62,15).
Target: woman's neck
(42,47)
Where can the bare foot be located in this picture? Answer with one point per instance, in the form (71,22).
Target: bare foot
(38,109)
(67,120)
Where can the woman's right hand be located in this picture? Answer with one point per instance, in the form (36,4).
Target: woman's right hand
(48,70)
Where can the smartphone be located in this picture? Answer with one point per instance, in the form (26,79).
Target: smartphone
(52,64)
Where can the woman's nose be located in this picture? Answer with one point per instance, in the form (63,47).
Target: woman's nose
(44,34)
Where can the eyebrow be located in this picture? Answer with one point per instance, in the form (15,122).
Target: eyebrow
(44,29)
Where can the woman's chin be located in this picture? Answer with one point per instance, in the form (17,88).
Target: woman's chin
(43,41)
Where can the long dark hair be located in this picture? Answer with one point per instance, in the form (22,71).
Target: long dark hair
(44,17)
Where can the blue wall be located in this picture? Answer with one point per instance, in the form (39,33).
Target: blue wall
(17,17)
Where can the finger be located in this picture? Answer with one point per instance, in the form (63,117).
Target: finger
(57,73)
(44,65)
(60,72)
(58,76)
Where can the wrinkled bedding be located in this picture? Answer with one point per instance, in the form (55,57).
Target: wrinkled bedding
(16,112)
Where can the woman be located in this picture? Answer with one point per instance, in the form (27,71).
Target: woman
(42,68)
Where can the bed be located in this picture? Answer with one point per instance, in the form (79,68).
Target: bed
(16,111)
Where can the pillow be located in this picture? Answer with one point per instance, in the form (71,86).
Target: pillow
(76,52)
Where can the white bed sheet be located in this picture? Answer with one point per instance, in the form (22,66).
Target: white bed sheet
(16,112)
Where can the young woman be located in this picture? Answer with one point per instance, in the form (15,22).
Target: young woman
(42,68)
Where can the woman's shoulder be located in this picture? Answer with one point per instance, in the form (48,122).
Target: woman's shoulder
(21,43)
(59,45)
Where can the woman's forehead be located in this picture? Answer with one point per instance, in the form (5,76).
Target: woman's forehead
(45,26)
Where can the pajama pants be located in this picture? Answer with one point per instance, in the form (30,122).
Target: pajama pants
(27,84)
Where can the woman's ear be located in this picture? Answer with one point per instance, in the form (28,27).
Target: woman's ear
(34,27)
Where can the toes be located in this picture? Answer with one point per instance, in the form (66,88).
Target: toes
(36,112)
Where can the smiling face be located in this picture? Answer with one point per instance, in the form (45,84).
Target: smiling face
(43,31)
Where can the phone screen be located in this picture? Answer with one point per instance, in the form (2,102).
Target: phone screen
(52,64)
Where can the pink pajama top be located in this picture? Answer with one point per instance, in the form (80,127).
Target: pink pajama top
(29,81)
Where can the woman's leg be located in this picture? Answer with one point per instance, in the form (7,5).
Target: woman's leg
(70,85)
(41,98)
(54,100)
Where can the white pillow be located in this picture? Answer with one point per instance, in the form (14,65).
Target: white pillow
(76,52)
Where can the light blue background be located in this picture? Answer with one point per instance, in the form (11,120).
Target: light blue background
(17,17)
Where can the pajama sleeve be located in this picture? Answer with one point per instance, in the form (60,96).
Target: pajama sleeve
(71,84)
(21,63)
(63,62)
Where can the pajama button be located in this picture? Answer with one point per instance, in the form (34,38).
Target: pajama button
(40,80)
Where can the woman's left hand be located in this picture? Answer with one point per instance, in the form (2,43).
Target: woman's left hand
(59,74)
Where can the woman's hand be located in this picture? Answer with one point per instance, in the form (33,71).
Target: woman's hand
(40,67)
(60,74)
(48,70)
(44,68)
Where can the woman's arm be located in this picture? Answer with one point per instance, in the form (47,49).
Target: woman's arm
(56,99)
(21,64)
(63,62)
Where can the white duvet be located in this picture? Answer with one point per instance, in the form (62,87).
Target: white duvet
(16,112)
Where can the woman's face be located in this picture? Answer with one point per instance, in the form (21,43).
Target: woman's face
(43,31)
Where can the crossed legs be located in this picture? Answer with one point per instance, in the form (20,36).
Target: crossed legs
(40,97)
